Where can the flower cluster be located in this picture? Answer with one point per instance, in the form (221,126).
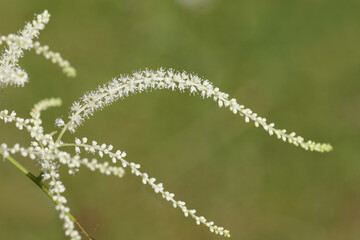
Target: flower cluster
(55,58)
(10,71)
(122,87)
(45,151)
(48,151)
(103,149)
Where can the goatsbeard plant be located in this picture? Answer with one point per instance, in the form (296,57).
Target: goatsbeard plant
(49,150)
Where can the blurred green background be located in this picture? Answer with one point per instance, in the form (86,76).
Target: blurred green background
(297,63)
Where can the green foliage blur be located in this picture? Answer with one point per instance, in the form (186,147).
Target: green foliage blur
(297,63)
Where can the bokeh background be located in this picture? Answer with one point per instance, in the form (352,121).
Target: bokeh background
(297,63)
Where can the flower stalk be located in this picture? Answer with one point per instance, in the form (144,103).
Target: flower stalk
(44,188)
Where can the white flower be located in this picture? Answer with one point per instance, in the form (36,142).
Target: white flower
(10,72)
(59,122)
(157,187)
(48,152)
(161,79)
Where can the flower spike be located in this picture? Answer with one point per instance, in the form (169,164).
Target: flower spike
(138,82)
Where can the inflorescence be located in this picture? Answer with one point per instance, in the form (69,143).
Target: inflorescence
(138,82)
(10,71)
(48,151)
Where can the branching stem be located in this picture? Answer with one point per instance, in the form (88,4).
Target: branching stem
(44,188)
(62,133)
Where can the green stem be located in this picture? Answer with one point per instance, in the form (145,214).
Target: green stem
(68,145)
(42,186)
(68,123)
(62,133)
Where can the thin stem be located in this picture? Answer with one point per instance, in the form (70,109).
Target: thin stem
(42,186)
(62,133)
(68,145)
(68,123)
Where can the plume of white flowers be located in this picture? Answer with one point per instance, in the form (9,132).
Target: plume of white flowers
(122,87)
(42,106)
(55,58)
(10,72)
(45,151)
(103,149)
(48,155)
(48,151)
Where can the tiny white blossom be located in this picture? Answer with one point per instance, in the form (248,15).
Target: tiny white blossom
(59,122)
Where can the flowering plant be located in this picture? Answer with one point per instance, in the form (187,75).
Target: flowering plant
(49,150)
